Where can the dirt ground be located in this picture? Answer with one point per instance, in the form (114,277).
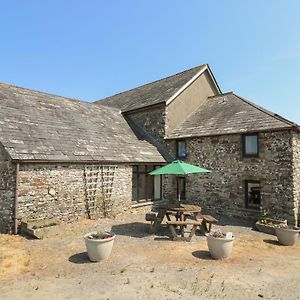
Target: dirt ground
(144,266)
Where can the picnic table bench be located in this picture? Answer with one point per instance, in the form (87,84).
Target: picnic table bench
(183,224)
(182,213)
(207,222)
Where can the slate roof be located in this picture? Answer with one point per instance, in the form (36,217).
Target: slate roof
(229,113)
(42,127)
(152,93)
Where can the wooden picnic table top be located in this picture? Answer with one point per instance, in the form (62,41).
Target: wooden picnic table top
(182,208)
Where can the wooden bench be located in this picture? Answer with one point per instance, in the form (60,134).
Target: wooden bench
(151,217)
(183,224)
(207,222)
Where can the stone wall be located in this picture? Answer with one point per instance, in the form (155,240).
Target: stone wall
(59,191)
(152,119)
(7,193)
(223,190)
(296,166)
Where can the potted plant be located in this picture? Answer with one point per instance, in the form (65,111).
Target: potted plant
(266,224)
(287,235)
(219,244)
(99,244)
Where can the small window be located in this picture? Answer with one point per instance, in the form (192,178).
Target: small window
(250,145)
(253,194)
(181,149)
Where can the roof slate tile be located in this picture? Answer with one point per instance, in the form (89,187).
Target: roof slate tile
(40,126)
(152,93)
(226,114)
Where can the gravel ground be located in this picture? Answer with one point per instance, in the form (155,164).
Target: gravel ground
(144,266)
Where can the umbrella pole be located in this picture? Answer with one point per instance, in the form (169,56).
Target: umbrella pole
(178,189)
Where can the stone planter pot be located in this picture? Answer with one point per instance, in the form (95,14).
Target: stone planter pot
(287,236)
(219,248)
(269,227)
(99,249)
(40,228)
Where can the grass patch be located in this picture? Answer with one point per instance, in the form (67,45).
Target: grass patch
(13,259)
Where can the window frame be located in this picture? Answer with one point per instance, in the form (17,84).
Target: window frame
(177,148)
(143,171)
(244,144)
(250,205)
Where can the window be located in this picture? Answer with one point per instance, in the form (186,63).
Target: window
(181,149)
(250,145)
(253,194)
(144,186)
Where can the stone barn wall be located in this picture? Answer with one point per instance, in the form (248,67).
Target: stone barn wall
(7,193)
(296,166)
(151,119)
(223,190)
(59,191)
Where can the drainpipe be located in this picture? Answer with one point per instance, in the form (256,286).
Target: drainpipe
(16,199)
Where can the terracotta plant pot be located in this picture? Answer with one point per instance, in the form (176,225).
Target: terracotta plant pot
(219,248)
(287,236)
(99,249)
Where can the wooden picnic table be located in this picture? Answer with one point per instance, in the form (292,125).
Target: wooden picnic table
(179,210)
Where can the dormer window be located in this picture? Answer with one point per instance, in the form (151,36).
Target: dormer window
(181,149)
(250,145)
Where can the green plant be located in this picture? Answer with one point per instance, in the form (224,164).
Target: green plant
(264,217)
(99,235)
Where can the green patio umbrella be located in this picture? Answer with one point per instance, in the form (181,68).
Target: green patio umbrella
(178,167)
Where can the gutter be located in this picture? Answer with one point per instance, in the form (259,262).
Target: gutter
(16,199)
(182,136)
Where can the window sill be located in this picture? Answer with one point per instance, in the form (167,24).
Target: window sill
(148,203)
(251,210)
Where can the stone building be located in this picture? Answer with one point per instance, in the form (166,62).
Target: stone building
(253,153)
(68,159)
(65,159)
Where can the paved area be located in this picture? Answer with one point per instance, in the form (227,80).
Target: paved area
(144,266)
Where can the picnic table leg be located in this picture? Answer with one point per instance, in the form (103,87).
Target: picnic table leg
(182,230)
(209,227)
(173,232)
(204,226)
(197,215)
(157,221)
(168,216)
(192,233)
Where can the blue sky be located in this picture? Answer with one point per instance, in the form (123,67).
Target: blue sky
(92,49)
